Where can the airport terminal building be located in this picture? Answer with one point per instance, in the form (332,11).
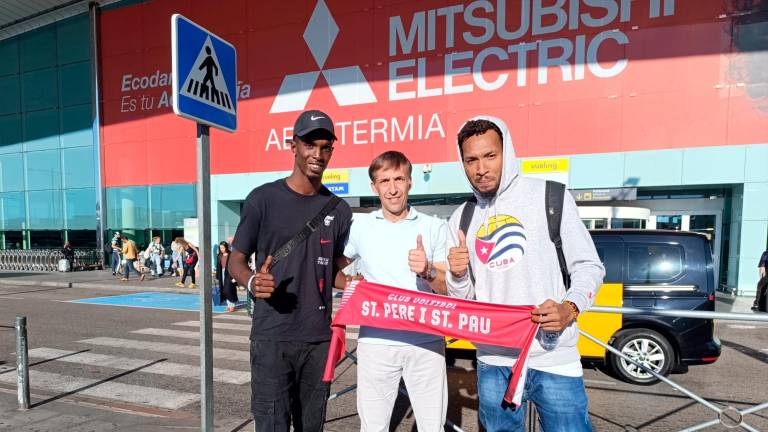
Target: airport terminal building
(653,112)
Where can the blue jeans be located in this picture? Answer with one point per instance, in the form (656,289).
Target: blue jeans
(560,400)
(157,260)
(115,261)
(128,267)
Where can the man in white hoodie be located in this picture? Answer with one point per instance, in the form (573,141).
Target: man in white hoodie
(506,257)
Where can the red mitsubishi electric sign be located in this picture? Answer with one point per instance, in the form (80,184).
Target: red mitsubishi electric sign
(569,77)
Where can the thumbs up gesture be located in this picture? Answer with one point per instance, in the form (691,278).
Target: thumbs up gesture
(458,257)
(417,258)
(263,282)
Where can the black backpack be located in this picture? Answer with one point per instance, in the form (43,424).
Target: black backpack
(554,195)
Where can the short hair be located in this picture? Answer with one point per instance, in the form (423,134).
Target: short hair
(389,159)
(474,128)
(155,238)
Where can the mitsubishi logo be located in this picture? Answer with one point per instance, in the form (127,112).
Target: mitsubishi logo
(347,84)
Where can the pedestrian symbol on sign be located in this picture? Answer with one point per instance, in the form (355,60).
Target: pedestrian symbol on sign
(204,75)
(205,83)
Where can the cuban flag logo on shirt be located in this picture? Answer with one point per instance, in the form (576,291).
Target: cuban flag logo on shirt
(500,242)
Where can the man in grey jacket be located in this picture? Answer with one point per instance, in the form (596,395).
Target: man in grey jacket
(513,261)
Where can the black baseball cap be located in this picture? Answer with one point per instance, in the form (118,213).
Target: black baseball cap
(313,120)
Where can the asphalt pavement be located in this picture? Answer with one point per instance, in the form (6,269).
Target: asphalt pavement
(106,367)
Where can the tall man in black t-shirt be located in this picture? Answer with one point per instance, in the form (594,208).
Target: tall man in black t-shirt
(292,312)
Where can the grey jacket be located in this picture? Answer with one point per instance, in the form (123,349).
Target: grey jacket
(515,262)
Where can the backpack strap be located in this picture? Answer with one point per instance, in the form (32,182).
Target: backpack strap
(466,218)
(555,193)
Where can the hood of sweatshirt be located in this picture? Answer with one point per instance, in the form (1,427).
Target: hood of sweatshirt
(510,167)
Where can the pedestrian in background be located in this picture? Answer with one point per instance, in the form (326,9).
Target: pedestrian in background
(69,255)
(228,288)
(117,246)
(176,257)
(130,254)
(190,255)
(156,252)
(762,284)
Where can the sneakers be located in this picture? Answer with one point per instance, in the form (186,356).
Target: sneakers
(191,285)
(179,284)
(123,279)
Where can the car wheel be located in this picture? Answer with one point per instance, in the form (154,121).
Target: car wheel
(649,348)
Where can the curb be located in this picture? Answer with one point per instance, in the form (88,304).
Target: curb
(50,284)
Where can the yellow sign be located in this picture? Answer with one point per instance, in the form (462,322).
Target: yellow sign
(537,166)
(336,176)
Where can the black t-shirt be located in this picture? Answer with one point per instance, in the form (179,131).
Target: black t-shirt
(300,307)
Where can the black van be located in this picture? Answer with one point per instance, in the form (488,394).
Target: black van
(661,270)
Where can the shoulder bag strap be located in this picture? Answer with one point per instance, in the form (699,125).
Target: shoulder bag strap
(306,231)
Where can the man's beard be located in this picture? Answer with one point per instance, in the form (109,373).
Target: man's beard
(489,194)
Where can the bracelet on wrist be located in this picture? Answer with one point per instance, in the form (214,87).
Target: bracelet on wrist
(573,307)
(430,274)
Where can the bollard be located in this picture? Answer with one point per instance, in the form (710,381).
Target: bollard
(22,363)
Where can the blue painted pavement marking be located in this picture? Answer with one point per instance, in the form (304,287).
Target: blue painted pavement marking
(155,300)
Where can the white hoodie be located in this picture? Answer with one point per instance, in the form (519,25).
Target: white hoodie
(515,262)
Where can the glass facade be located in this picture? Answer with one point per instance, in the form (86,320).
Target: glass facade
(141,212)
(47,169)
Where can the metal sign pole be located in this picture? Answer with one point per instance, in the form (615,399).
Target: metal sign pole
(204,229)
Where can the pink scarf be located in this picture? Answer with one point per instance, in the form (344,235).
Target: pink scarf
(381,306)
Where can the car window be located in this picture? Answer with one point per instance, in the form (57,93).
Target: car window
(611,256)
(654,263)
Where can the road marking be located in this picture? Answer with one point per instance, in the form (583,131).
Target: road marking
(193,335)
(741,326)
(233,317)
(189,350)
(123,363)
(13,298)
(216,325)
(160,398)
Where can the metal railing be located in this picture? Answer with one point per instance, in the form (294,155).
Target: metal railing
(727,416)
(47,260)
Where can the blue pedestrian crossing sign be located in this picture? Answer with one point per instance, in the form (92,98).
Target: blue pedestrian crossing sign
(204,75)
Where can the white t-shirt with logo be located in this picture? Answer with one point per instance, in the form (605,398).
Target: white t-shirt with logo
(381,249)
